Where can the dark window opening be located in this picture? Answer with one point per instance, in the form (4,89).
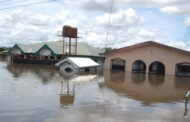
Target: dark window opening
(52,58)
(46,57)
(118,64)
(86,69)
(58,57)
(95,60)
(68,69)
(183,69)
(139,66)
(157,68)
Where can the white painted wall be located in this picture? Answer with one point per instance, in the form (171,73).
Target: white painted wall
(92,69)
(65,65)
(45,52)
(16,51)
(101,63)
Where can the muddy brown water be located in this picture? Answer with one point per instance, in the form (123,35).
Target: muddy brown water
(34,93)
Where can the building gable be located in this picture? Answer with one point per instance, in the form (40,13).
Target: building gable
(15,50)
(148,43)
(40,51)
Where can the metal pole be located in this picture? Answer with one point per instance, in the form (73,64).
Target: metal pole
(186,101)
(186,110)
(69,45)
(63,46)
(187,97)
(76,47)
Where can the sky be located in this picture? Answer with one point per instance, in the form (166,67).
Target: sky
(131,22)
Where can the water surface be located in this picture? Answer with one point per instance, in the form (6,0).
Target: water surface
(34,93)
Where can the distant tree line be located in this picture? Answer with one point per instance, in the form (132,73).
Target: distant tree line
(4,48)
(108,49)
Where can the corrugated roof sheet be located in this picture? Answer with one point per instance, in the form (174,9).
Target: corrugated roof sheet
(79,62)
(57,48)
(83,62)
(30,48)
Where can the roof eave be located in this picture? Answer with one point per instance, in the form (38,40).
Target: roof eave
(143,44)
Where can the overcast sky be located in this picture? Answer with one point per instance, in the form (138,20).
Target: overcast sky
(132,21)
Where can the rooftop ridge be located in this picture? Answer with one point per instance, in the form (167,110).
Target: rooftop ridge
(147,43)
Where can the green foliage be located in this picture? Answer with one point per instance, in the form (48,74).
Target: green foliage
(108,49)
(4,48)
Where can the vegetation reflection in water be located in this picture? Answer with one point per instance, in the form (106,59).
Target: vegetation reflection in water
(51,96)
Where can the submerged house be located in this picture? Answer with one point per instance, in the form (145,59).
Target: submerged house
(149,57)
(77,64)
(50,53)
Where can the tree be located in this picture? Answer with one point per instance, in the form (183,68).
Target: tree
(108,49)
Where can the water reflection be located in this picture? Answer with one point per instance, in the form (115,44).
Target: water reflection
(138,78)
(45,73)
(148,89)
(16,70)
(67,97)
(182,83)
(67,75)
(69,83)
(139,86)
(39,93)
(117,76)
(156,80)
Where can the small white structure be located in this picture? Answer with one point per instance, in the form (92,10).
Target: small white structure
(77,64)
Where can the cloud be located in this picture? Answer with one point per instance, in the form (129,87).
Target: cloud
(122,26)
(127,26)
(156,3)
(179,44)
(165,6)
(133,36)
(121,19)
(170,9)
(99,5)
(180,7)
(94,5)
(24,27)
(31,27)
(146,34)
(187,21)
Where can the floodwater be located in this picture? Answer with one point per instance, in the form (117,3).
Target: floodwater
(33,93)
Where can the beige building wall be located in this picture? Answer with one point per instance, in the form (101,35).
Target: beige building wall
(148,54)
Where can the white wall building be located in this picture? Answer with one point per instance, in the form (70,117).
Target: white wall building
(78,64)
